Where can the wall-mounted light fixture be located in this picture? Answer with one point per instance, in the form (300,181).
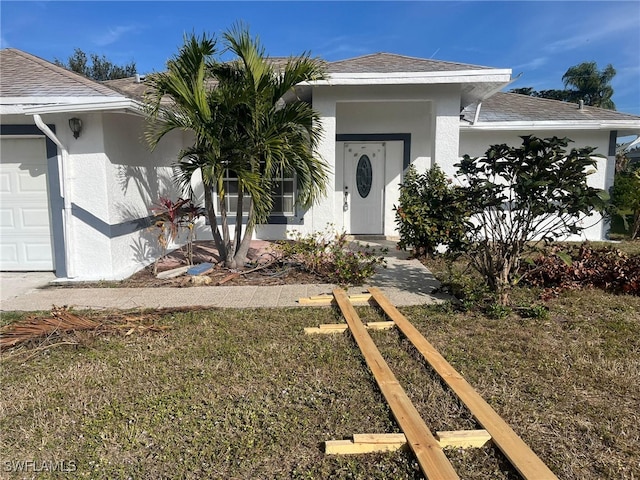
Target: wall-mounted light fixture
(75,124)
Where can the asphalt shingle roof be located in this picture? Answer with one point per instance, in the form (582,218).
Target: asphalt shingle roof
(513,107)
(390,62)
(131,88)
(128,86)
(25,75)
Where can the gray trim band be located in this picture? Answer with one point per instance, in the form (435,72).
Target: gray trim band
(110,230)
(381,137)
(613,137)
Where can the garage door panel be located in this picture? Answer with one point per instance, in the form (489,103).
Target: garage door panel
(26,241)
(36,218)
(5,183)
(37,252)
(8,253)
(7,219)
(34,182)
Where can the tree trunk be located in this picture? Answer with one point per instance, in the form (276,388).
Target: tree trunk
(238,235)
(226,237)
(635,230)
(213,222)
(503,283)
(241,253)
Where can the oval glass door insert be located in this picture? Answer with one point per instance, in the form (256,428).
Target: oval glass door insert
(364,176)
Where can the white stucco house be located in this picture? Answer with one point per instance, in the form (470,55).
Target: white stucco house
(79,204)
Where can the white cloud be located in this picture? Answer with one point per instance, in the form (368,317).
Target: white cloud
(113,35)
(533,64)
(344,50)
(595,30)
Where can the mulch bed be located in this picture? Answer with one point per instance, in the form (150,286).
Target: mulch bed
(260,253)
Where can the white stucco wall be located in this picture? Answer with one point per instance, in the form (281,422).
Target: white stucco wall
(135,180)
(429,113)
(112,180)
(475,143)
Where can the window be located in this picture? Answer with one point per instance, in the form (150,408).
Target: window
(283,192)
(231,198)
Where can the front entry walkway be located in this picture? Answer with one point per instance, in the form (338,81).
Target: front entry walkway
(405,282)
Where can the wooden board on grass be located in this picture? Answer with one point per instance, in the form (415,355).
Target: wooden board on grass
(321,300)
(431,458)
(514,448)
(389,442)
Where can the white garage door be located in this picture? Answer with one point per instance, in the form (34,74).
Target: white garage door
(25,225)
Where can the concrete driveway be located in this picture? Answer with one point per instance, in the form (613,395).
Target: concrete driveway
(15,284)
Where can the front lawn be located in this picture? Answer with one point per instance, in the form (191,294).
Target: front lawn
(245,394)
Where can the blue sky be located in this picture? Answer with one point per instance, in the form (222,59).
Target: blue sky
(540,39)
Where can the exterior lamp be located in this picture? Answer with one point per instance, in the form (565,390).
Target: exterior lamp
(75,124)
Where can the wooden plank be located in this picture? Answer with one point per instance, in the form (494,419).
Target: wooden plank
(349,447)
(431,458)
(319,300)
(327,328)
(380,325)
(228,278)
(463,438)
(389,442)
(317,303)
(515,449)
(322,331)
(379,438)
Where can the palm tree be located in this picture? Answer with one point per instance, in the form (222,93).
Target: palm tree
(590,84)
(246,119)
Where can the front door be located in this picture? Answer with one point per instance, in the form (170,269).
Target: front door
(364,188)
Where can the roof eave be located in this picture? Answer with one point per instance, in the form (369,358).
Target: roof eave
(629,126)
(117,104)
(417,78)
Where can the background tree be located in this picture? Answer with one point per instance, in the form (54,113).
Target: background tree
(520,196)
(625,194)
(590,84)
(586,83)
(96,67)
(242,125)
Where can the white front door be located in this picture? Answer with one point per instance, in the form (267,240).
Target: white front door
(25,231)
(364,188)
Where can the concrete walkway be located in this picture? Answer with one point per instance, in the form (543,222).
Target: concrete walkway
(405,282)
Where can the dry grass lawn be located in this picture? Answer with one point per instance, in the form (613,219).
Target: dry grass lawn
(238,394)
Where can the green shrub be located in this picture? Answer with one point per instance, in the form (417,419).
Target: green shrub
(522,196)
(497,311)
(541,312)
(625,198)
(329,255)
(431,212)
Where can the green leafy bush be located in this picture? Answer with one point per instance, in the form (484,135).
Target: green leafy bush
(540,312)
(431,212)
(521,196)
(329,255)
(625,197)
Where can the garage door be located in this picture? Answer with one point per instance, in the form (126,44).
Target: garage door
(25,225)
